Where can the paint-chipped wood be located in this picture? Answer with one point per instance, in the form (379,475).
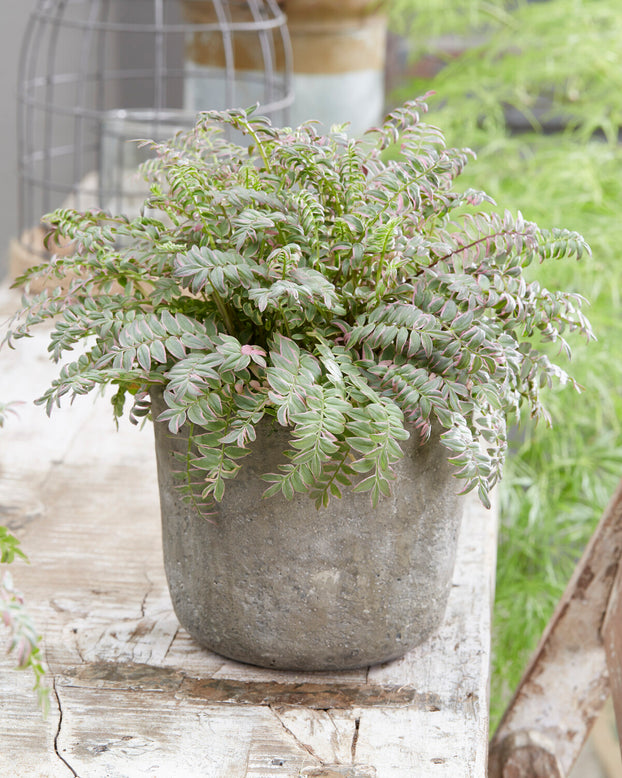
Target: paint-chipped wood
(612,636)
(567,681)
(526,754)
(135,696)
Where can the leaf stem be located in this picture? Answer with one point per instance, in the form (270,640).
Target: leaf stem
(260,147)
(223,310)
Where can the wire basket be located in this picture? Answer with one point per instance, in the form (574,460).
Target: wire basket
(96,74)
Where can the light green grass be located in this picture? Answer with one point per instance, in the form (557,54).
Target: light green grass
(557,481)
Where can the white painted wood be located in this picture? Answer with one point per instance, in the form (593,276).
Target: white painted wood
(137,696)
(567,683)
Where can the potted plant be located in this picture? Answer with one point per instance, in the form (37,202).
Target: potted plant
(309,318)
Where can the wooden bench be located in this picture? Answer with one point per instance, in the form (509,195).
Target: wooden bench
(133,695)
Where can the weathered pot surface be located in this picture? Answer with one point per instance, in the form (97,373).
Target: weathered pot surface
(279,584)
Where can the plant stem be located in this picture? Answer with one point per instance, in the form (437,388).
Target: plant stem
(223,310)
(260,148)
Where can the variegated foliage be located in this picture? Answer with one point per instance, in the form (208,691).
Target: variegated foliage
(349,294)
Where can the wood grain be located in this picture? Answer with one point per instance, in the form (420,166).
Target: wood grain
(612,638)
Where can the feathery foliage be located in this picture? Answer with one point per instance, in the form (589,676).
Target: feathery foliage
(554,64)
(308,279)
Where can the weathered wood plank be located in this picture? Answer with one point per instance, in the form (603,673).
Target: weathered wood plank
(163,735)
(136,696)
(612,637)
(567,683)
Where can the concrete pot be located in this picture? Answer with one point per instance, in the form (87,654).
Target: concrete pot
(279,584)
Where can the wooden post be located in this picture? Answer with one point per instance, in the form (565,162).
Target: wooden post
(567,682)
(526,754)
(612,636)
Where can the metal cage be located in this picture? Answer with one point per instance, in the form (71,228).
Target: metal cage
(95,74)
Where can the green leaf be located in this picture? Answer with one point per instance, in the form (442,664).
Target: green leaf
(9,547)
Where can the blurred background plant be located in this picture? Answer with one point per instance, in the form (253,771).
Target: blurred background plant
(536,89)
(23,636)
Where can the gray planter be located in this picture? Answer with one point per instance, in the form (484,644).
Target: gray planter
(279,584)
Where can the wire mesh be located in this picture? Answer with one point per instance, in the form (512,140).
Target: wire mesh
(96,74)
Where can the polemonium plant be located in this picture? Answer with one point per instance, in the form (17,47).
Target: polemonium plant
(341,287)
